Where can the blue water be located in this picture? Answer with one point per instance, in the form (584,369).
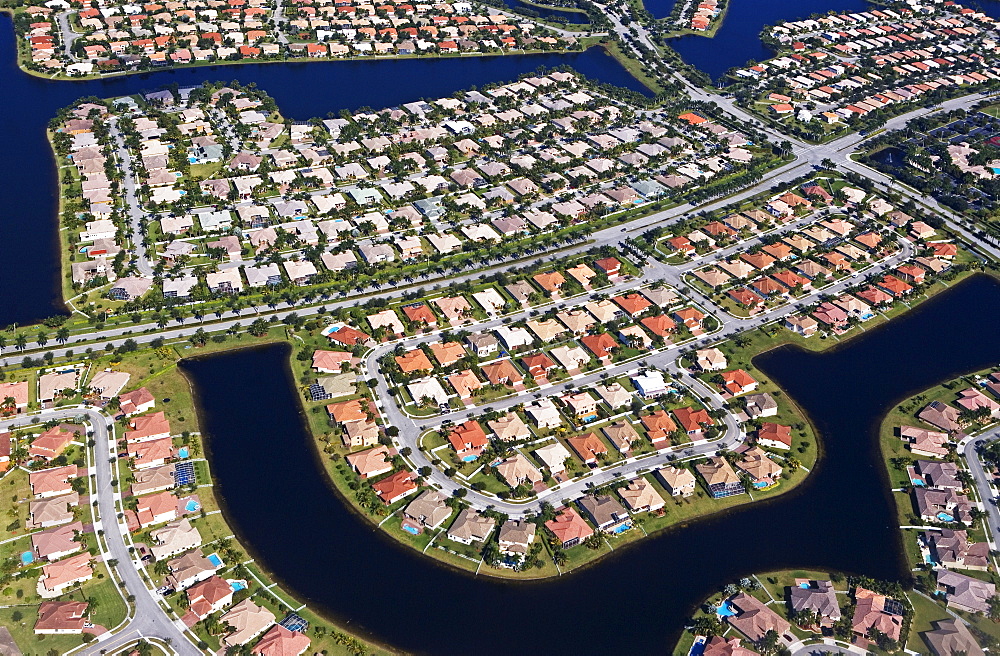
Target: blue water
(469,458)
(214,559)
(412,530)
(725,610)
(27,558)
(995,170)
(621,529)
(738,40)
(698,648)
(31,289)
(929,559)
(192,505)
(917,482)
(575,17)
(945,517)
(183,452)
(193,160)
(238,585)
(804,586)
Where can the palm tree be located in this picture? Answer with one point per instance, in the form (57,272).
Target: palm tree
(20,341)
(62,335)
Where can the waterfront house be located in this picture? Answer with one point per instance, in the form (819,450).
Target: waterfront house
(640,496)
(248,620)
(965,592)
(470,526)
(569,528)
(754,619)
(515,537)
(606,513)
(428,509)
(818,597)
(678,481)
(720,478)
(395,487)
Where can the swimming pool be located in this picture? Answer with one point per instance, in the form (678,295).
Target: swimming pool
(183,452)
(469,458)
(618,530)
(411,529)
(27,558)
(192,160)
(238,585)
(214,559)
(917,482)
(191,505)
(945,517)
(724,610)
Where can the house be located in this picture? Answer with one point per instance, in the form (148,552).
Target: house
(106,384)
(569,528)
(831,316)
(190,568)
(550,281)
(678,481)
(650,384)
(601,345)
(754,619)
(414,361)
(330,362)
(964,592)
(470,526)
(468,439)
(588,447)
(761,405)
(606,513)
(925,442)
(248,621)
(130,288)
(518,471)
(614,395)
(951,637)
(940,415)
(774,436)
(428,509)
(763,471)
(711,359)
(818,597)
(395,487)
(153,479)
(622,435)
(174,538)
(502,372)
(482,344)
(693,421)
(57,577)
(136,402)
(57,542)
(56,383)
(447,353)
(147,427)
(876,611)
(51,482)
(954,550)
(660,325)
(370,463)
(515,537)
(52,511)
(17,391)
(720,478)
(738,382)
(420,313)
(538,365)
(640,496)
(279,641)
(659,427)
(514,337)
(719,646)
(50,443)
(581,405)
(801,324)
(60,618)
(553,456)
(465,383)
(156,509)
(544,413)
(509,428)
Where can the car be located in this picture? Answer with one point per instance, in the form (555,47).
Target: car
(164,590)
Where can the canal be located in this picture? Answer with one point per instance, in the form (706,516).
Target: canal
(277,499)
(738,40)
(29,268)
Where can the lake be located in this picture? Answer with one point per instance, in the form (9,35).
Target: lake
(738,40)
(29,269)
(277,499)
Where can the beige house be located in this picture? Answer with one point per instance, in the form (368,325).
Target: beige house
(249,620)
(640,496)
(518,471)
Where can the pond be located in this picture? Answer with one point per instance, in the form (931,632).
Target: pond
(277,499)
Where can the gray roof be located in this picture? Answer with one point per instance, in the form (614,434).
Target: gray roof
(818,597)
